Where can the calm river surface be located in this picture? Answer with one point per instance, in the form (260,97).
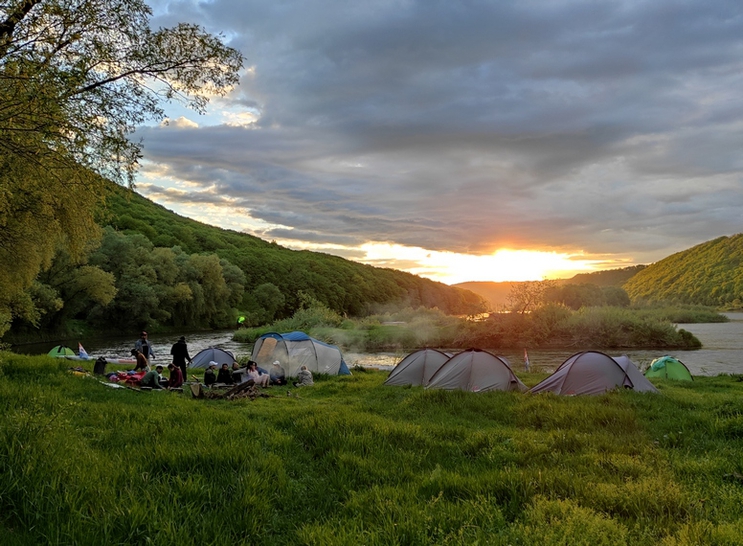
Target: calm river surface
(722,351)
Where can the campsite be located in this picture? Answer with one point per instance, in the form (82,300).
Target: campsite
(353,461)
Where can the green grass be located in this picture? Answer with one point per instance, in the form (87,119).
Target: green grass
(351,461)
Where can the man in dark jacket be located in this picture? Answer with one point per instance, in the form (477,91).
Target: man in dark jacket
(225,375)
(181,356)
(210,375)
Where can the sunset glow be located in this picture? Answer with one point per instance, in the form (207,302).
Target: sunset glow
(502,265)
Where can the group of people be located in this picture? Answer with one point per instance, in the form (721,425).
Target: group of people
(236,375)
(154,379)
(143,353)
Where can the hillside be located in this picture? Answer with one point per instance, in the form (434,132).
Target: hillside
(609,277)
(343,285)
(710,273)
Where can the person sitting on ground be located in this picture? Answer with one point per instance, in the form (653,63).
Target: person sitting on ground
(210,375)
(176,376)
(225,375)
(261,379)
(304,378)
(141,361)
(238,374)
(152,378)
(276,373)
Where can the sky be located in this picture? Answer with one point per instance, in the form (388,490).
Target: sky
(465,140)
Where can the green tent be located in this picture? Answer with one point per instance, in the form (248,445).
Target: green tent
(669,368)
(61,351)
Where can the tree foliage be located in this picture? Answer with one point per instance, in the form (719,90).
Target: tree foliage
(81,75)
(76,78)
(708,274)
(609,277)
(576,296)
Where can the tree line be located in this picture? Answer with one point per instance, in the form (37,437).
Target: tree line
(208,277)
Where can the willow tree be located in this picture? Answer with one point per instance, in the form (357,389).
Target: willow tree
(76,79)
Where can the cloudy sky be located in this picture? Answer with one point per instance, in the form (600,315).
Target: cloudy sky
(465,140)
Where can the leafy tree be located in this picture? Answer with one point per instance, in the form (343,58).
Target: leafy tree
(527,296)
(76,78)
(83,74)
(615,296)
(270,299)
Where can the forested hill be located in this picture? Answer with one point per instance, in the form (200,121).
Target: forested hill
(708,274)
(343,285)
(609,277)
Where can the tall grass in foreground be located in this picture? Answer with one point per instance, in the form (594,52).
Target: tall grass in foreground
(350,461)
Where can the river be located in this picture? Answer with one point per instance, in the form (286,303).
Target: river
(722,351)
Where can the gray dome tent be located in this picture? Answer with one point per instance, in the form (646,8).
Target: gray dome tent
(640,383)
(476,370)
(593,372)
(296,349)
(417,368)
(220,356)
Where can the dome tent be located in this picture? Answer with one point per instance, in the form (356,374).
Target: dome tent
(475,370)
(591,372)
(296,349)
(669,367)
(640,383)
(62,351)
(417,368)
(205,356)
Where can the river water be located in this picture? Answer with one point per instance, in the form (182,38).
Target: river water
(722,351)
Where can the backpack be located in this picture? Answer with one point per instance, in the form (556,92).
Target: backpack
(99,368)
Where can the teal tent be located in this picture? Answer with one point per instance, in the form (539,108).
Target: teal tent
(669,367)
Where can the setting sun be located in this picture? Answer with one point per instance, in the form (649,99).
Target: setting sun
(502,265)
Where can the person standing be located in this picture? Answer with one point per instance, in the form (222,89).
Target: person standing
(144,346)
(181,356)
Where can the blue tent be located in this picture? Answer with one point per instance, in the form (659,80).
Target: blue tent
(296,349)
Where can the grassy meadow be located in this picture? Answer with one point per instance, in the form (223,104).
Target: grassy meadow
(351,461)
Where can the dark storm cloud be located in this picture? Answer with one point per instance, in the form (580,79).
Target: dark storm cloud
(469,125)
